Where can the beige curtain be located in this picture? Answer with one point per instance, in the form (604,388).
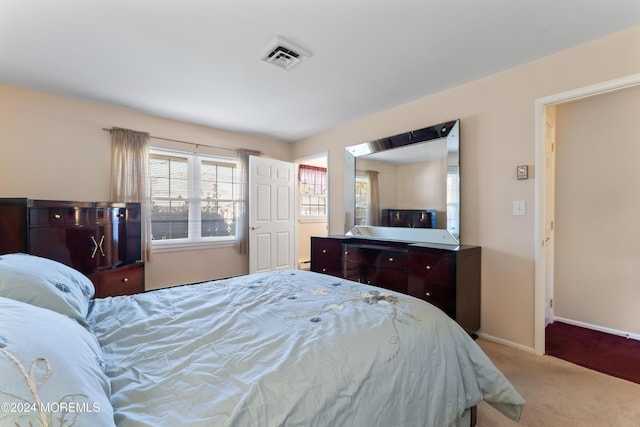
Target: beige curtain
(242,221)
(374,199)
(130,176)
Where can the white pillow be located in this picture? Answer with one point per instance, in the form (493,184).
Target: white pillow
(50,367)
(45,283)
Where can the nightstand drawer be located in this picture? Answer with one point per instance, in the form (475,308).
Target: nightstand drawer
(125,280)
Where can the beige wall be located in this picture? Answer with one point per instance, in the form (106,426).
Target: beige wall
(417,191)
(53,147)
(597,236)
(497,134)
(387,181)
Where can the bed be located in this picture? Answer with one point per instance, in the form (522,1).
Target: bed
(285,348)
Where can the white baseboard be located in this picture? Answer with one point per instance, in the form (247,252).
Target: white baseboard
(625,334)
(505,342)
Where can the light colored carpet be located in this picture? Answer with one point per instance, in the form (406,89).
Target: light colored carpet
(559,393)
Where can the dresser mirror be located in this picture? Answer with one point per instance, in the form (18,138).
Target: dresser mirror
(417,170)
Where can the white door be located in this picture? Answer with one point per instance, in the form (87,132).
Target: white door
(271,215)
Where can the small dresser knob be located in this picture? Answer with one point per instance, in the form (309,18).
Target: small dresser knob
(428,267)
(324,269)
(324,251)
(125,279)
(428,294)
(390,259)
(56,216)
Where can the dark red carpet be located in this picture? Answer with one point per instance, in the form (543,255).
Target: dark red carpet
(610,354)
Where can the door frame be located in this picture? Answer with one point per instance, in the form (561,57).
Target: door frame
(542,198)
(303,160)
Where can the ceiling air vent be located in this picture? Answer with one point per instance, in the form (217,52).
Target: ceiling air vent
(284,54)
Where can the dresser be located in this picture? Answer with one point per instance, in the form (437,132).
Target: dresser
(443,275)
(100,239)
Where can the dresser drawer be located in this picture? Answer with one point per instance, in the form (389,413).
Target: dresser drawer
(59,216)
(389,278)
(433,267)
(126,280)
(397,260)
(72,216)
(385,258)
(443,297)
(326,256)
(432,277)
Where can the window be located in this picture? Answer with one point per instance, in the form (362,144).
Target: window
(453,196)
(362,200)
(195,198)
(313,191)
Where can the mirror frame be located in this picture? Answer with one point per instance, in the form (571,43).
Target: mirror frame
(449,130)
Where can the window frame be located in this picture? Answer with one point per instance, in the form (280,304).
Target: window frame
(301,195)
(195,201)
(362,205)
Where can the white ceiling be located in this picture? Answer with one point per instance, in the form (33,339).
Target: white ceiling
(199,61)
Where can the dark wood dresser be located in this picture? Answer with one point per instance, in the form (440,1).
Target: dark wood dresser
(443,275)
(100,239)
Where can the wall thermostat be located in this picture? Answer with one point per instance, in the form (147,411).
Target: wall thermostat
(522,172)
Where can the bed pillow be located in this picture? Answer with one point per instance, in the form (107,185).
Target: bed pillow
(51,369)
(45,283)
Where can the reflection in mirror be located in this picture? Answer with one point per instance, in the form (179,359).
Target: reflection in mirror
(406,180)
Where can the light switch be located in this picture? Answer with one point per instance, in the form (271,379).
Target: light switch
(518,207)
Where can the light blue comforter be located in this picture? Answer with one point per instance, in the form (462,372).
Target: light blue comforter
(290,348)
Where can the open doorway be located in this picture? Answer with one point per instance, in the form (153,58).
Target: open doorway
(545,197)
(313,203)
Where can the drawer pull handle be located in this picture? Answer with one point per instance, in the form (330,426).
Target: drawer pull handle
(428,294)
(56,216)
(346,252)
(324,251)
(390,259)
(324,269)
(428,267)
(125,279)
(97,246)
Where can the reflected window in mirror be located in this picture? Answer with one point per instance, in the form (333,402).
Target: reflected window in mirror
(367,198)
(453,198)
(362,199)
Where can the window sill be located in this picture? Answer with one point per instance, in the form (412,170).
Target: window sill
(309,220)
(179,247)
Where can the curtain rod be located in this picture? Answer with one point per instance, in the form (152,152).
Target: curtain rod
(184,142)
